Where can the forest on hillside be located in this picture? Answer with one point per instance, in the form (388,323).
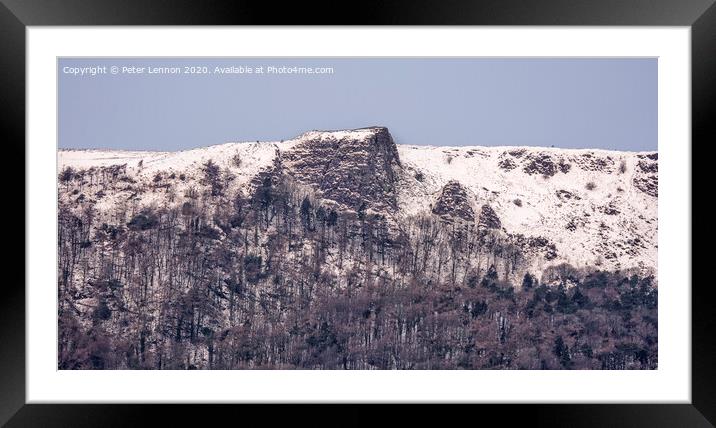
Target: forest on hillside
(280,279)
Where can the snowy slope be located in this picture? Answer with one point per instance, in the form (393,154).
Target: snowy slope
(143,167)
(254,157)
(606,220)
(596,206)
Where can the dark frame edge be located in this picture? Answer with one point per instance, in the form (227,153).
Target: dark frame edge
(15,412)
(12,123)
(703,111)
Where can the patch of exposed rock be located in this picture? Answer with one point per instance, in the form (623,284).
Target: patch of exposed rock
(542,243)
(453,202)
(648,184)
(609,209)
(593,162)
(646,177)
(571,225)
(488,218)
(648,167)
(564,195)
(545,165)
(537,245)
(357,168)
(507,164)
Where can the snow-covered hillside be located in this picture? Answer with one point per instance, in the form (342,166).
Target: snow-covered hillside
(597,208)
(585,201)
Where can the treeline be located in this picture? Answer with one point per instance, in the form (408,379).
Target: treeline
(279,279)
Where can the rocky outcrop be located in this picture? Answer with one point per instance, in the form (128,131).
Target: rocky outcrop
(453,202)
(594,162)
(648,184)
(646,177)
(609,209)
(357,168)
(565,195)
(488,218)
(507,164)
(535,246)
(545,165)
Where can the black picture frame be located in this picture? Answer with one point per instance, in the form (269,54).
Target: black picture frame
(16,15)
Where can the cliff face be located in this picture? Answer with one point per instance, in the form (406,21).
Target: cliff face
(357,169)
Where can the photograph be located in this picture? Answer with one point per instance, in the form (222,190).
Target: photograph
(414,203)
(357,213)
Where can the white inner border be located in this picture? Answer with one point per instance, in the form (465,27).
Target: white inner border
(670,383)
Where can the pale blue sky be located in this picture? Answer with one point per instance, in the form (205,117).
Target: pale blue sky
(570,103)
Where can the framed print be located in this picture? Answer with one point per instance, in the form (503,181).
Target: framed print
(405,205)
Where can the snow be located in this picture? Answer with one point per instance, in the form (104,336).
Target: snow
(356,134)
(542,212)
(477,168)
(254,157)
